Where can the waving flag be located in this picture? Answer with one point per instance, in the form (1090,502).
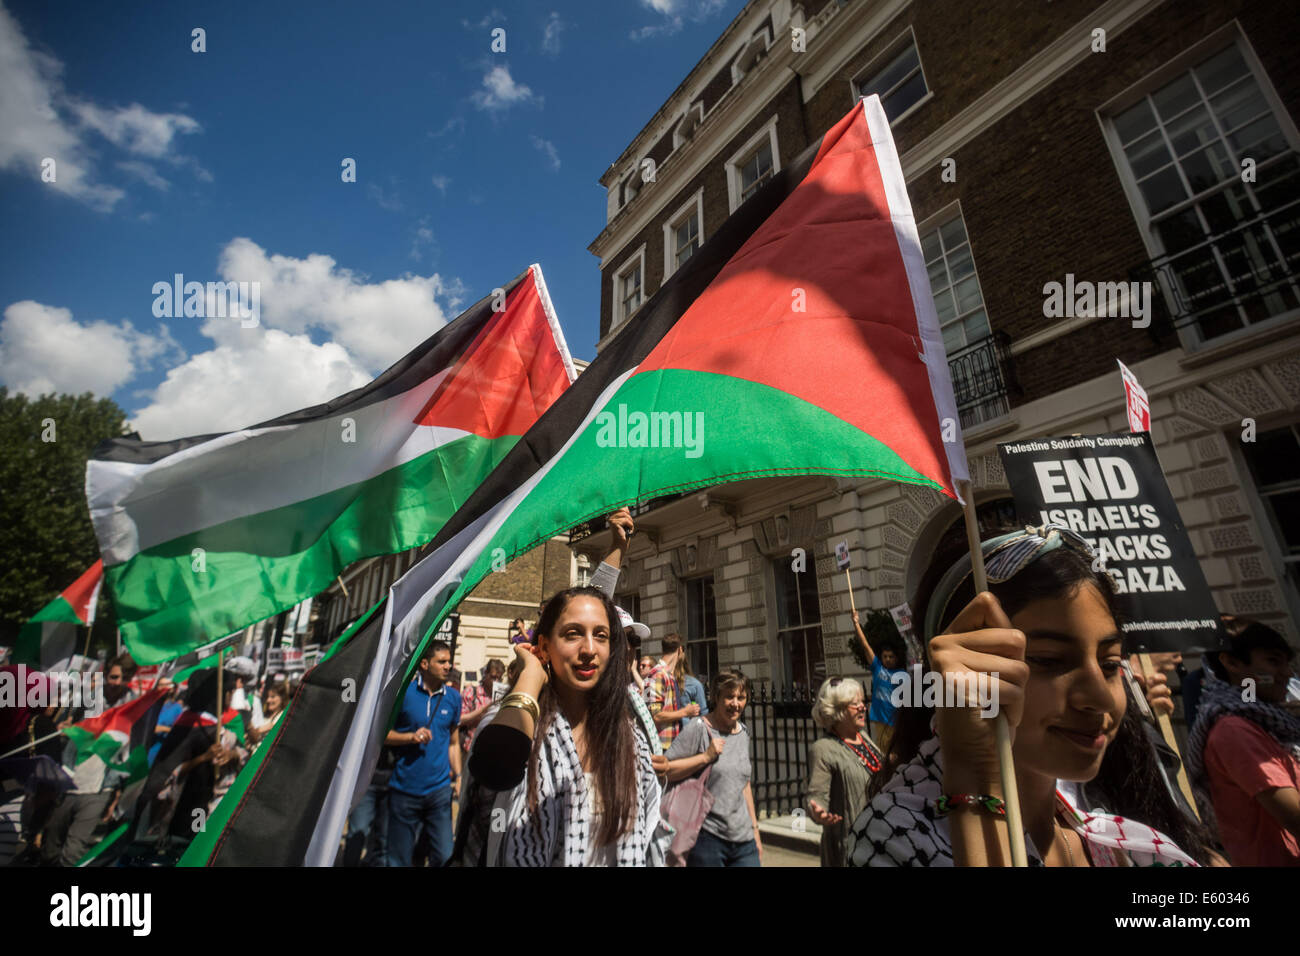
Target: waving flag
(130,723)
(204,536)
(51,635)
(800,340)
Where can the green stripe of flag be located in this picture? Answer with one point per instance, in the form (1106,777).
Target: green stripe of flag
(255,567)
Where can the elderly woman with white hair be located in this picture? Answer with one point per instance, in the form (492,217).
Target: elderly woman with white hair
(842,764)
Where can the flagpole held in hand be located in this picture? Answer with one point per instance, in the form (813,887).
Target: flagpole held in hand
(1006,763)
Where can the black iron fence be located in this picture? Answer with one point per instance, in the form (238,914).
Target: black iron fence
(782,731)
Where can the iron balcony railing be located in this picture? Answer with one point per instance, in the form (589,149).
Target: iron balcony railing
(1231,279)
(983,379)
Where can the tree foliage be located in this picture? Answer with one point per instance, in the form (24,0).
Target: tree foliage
(46,540)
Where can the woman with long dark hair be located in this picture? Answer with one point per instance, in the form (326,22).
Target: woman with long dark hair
(588,794)
(1046,640)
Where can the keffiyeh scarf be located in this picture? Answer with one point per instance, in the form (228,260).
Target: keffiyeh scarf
(1221,699)
(901,828)
(559,833)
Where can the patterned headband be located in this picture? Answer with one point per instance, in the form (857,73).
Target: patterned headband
(1004,557)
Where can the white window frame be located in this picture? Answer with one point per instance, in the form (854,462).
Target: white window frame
(751,145)
(696,205)
(949,212)
(881,60)
(634,260)
(750,54)
(1227,35)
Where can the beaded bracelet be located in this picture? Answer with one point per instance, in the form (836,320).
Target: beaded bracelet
(988,804)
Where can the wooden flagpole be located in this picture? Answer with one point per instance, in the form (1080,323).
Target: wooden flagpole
(1167,731)
(1006,763)
(852,605)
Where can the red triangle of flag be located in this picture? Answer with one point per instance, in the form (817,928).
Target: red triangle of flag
(511,373)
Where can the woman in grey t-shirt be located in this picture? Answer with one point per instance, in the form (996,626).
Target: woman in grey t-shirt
(729,835)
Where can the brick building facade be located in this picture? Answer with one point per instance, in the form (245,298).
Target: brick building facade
(1107,141)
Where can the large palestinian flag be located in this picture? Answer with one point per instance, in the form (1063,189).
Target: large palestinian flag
(203,536)
(801,339)
(51,635)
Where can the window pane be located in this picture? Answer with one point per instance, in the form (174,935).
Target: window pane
(930,246)
(976,326)
(953,234)
(968,294)
(1135,121)
(1221,69)
(1279,185)
(953,337)
(1286,508)
(1147,154)
(943,306)
(1208,167)
(1242,102)
(894,73)
(1162,190)
(1181,231)
(1274,457)
(961,263)
(938,276)
(1226,209)
(1176,97)
(1192,130)
(902,99)
(1260,140)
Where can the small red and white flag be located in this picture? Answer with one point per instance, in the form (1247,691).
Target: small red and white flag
(1135,399)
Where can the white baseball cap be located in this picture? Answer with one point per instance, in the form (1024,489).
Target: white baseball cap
(639,629)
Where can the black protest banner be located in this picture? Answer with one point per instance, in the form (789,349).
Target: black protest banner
(1110,489)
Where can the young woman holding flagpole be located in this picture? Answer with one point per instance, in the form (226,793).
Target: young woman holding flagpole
(1040,629)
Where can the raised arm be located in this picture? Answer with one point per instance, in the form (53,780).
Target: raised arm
(867,652)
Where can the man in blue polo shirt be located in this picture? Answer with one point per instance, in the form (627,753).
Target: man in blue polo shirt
(427,775)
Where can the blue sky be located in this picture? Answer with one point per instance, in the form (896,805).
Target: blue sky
(226,164)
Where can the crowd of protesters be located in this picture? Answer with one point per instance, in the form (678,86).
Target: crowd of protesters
(895,785)
(160,783)
(583,750)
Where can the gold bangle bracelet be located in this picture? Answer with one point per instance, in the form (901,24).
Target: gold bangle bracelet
(523,702)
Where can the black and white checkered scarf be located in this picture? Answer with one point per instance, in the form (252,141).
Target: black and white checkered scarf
(1221,699)
(559,834)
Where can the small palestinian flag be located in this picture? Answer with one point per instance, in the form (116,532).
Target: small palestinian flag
(204,536)
(801,339)
(129,724)
(51,635)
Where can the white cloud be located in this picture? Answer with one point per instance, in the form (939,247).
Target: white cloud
(385,200)
(232,387)
(145,173)
(43,349)
(551,31)
(500,91)
(547,148)
(441,183)
(40,121)
(377,323)
(675,14)
(248,375)
(494,18)
(136,129)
